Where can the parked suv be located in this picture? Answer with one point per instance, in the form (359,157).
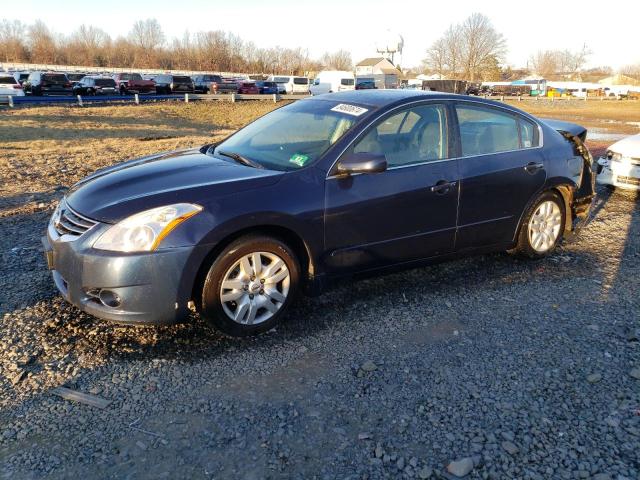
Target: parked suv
(174,84)
(129,83)
(47,83)
(290,84)
(95,86)
(209,83)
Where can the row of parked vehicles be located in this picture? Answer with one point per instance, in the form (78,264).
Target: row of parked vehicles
(59,83)
(41,83)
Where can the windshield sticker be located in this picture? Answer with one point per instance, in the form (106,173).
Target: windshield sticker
(349,109)
(299,159)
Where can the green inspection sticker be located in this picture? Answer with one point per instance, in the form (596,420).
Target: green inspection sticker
(299,159)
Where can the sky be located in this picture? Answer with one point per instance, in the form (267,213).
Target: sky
(609,29)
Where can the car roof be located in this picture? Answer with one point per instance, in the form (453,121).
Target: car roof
(386,97)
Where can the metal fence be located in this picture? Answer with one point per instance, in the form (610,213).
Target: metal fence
(25,101)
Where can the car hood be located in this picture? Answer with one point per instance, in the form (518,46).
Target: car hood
(627,147)
(113,193)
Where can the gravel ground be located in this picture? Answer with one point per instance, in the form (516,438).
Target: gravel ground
(490,367)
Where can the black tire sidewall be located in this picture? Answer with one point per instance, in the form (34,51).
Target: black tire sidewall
(524,245)
(211,306)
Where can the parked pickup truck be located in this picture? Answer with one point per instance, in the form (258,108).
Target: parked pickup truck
(214,84)
(133,83)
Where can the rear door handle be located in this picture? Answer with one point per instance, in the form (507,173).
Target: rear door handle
(442,186)
(533,167)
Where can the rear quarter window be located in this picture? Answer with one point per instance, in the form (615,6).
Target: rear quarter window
(529,134)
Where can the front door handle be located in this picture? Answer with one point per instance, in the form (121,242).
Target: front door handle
(442,186)
(533,167)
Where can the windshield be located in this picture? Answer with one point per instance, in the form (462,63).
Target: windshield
(281,79)
(292,137)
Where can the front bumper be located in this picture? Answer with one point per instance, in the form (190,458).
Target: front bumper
(147,285)
(622,174)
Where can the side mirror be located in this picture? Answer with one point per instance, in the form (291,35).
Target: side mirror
(361,163)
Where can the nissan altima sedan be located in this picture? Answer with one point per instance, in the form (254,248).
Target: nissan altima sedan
(331,186)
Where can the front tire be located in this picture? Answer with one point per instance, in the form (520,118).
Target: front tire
(250,286)
(542,227)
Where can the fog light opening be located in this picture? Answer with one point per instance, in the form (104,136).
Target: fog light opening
(110,298)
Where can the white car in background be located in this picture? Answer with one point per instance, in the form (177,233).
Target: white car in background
(329,81)
(620,167)
(10,86)
(289,84)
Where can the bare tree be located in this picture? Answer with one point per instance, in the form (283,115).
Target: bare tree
(436,61)
(544,63)
(471,50)
(42,43)
(12,41)
(148,37)
(632,71)
(482,46)
(559,63)
(338,60)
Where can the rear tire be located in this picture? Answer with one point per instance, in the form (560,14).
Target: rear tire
(242,301)
(542,227)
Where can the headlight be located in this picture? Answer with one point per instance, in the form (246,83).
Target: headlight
(614,156)
(144,231)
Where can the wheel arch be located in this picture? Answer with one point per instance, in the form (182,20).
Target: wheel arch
(565,192)
(284,234)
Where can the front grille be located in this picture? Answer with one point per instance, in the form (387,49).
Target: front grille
(628,180)
(70,222)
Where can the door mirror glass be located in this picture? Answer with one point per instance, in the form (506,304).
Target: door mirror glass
(361,163)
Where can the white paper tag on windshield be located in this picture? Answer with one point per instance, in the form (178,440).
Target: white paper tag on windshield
(349,109)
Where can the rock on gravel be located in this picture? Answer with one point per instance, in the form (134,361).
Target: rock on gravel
(460,468)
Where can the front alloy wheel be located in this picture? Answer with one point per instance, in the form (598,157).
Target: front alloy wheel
(255,288)
(250,286)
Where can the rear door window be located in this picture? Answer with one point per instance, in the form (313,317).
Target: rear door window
(347,81)
(9,80)
(486,130)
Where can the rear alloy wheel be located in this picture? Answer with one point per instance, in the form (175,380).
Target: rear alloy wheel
(542,227)
(250,286)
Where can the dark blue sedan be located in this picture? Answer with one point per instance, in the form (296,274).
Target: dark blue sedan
(266,87)
(326,187)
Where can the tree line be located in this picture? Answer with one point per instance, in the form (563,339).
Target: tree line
(474,50)
(146,46)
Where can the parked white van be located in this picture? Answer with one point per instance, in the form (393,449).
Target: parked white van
(290,84)
(329,81)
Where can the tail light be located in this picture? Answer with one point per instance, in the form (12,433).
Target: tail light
(68,84)
(18,87)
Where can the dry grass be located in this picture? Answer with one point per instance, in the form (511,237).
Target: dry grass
(607,116)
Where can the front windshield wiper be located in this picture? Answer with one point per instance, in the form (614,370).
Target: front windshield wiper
(239,158)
